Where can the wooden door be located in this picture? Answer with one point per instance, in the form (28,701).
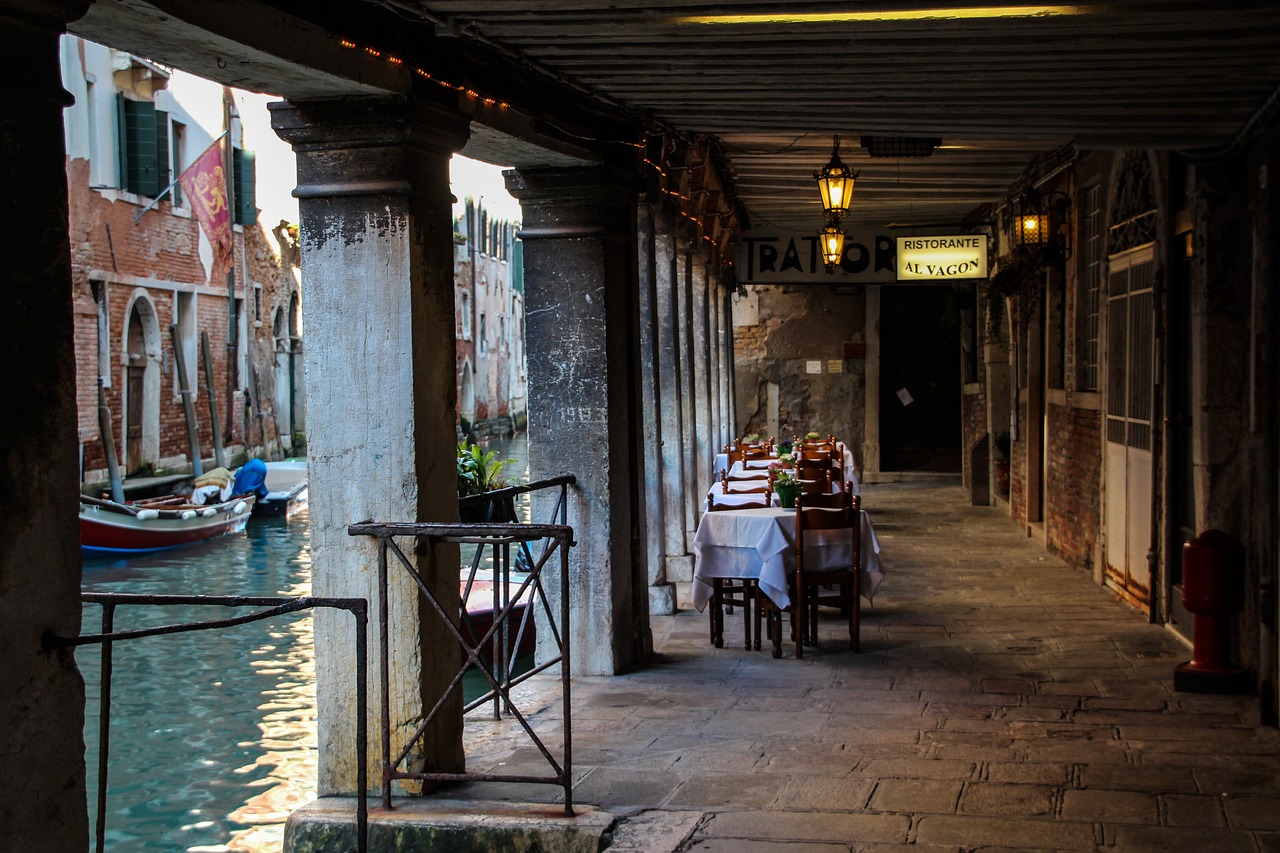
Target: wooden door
(919,379)
(1130,384)
(133,427)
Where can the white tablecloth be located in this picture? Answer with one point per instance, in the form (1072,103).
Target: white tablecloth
(760,544)
(722,462)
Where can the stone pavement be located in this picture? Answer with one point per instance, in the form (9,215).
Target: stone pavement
(1002,702)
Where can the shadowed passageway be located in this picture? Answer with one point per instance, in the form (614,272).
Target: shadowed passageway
(1003,701)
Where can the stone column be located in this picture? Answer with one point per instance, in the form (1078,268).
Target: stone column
(701,352)
(671,413)
(716,438)
(582,328)
(1220,356)
(377,274)
(871,396)
(41,693)
(662,599)
(691,492)
(729,390)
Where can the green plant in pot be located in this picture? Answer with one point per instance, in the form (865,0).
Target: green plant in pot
(480,472)
(785,485)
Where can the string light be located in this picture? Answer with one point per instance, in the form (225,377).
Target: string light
(505,105)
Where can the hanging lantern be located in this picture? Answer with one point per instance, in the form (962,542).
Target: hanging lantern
(835,183)
(1032,230)
(832,245)
(1042,225)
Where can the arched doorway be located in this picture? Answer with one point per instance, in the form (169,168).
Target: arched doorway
(141,414)
(1130,381)
(285,330)
(467,397)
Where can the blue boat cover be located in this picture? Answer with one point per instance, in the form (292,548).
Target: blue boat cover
(251,477)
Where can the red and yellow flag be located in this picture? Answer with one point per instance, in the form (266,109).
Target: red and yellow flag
(205,184)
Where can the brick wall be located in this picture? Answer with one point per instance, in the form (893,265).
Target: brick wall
(1073,510)
(157,257)
(1018,472)
(973,415)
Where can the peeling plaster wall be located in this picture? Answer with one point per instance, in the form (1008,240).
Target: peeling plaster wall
(779,330)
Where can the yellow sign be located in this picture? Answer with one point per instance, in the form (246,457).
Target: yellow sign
(942,257)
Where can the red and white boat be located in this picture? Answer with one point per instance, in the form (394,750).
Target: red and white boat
(108,528)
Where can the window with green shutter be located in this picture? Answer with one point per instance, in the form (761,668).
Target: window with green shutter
(246,212)
(143,146)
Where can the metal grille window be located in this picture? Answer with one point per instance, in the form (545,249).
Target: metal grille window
(1130,371)
(1090,285)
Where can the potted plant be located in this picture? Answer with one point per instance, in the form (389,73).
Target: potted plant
(478,473)
(1002,455)
(785,485)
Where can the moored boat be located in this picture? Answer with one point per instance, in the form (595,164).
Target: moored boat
(110,528)
(286,484)
(479,611)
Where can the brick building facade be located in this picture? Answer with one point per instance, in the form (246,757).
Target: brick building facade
(141,265)
(489,304)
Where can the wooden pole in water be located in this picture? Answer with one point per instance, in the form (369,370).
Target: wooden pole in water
(109,444)
(219,455)
(184,388)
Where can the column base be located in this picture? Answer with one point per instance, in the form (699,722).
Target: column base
(328,825)
(680,568)
(1232,680)
(662,599)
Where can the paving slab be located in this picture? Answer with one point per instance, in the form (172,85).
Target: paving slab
(1003,702)
(1117,806)
(446,825)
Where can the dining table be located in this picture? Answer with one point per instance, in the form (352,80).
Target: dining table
(741,466)
(738,496)
(759,544)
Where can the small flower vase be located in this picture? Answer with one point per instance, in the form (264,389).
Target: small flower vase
(787,493)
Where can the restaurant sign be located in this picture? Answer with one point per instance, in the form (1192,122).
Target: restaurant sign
(788,257)
(942,257)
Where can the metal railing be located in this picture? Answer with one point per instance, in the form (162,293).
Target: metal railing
(358,607)
(486,650)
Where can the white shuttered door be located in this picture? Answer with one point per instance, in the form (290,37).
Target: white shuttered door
(1130,378)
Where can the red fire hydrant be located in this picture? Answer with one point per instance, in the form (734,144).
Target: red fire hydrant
(1212,590)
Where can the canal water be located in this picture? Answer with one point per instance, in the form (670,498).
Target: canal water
(213,734)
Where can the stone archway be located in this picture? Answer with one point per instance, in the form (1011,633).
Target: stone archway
(140,381)
(467,397)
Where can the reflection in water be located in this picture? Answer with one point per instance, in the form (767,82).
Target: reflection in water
(213,734)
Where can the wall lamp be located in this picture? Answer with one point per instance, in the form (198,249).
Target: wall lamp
(832,239)
(1041,225)
(835,183)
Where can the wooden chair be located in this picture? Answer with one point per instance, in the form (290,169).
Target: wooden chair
(830,500)
(726,593)
(748,474)
(745,486)
(811,588)
(813,479)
